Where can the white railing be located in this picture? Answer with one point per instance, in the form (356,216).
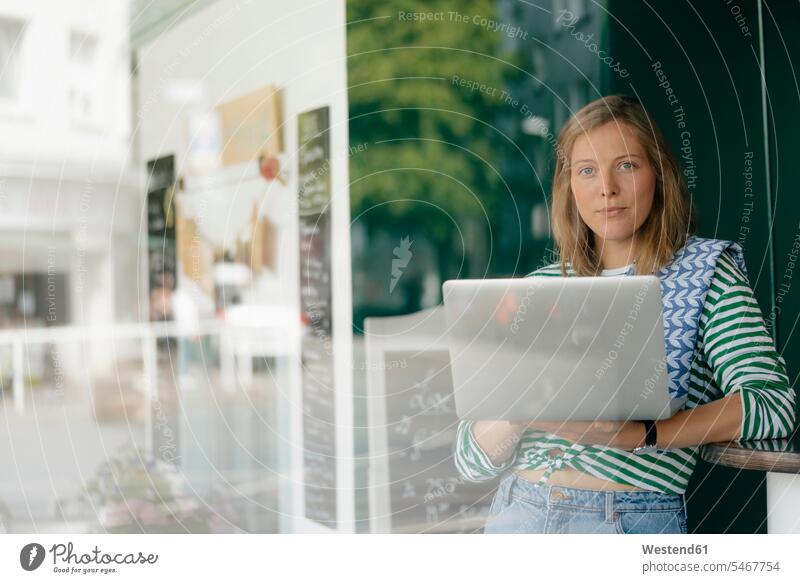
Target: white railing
(239,342)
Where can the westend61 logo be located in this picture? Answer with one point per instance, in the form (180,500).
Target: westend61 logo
(32,556)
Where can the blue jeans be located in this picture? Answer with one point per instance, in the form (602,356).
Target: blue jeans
(519,506)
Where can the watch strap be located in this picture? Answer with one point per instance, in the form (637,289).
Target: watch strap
(650,433)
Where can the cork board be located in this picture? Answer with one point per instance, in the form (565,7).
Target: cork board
(251,126)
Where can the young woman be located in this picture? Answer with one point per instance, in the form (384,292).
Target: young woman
(619,207)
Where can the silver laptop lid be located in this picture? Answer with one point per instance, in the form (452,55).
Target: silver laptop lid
(583,348)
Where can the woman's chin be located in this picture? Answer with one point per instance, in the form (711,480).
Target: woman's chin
(613,235)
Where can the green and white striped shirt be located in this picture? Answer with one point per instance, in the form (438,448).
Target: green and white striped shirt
(734,352)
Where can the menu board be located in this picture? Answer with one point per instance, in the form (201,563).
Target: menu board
(162,281)
(319,405)
(161,247)
(314,160)
(425,491)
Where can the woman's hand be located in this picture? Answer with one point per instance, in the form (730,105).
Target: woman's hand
(619,434)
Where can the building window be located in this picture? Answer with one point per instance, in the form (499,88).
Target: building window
(577,7)
(579,94)
(567,12)
(81,83)
(559,6)
(82,48)
(11,33)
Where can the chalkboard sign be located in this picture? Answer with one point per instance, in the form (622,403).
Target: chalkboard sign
(414,484)
(314,161)
(161,247)
(319,410)
(162,280)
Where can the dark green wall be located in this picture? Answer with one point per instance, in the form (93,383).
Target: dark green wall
(714,69)
(781,23)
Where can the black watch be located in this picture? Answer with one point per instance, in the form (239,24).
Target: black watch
(650,438)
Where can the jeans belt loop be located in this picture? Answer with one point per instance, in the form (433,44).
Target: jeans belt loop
(509,486)
(609,506)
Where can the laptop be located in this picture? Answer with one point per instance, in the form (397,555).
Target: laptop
(555,348)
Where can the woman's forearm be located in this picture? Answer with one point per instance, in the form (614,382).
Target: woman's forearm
(719,420)
(498,439)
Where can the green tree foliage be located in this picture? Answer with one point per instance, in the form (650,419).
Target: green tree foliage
(431,146)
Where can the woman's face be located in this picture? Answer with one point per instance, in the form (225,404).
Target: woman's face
(612,181)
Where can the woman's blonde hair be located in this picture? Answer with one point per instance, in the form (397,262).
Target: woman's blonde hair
(672,216)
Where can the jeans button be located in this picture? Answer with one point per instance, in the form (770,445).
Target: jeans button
(556,496)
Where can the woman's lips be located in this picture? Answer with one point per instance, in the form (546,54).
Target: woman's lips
(612,212)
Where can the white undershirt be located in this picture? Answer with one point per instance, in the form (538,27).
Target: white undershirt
(616,270)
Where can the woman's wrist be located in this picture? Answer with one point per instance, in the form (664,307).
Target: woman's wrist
(635,436)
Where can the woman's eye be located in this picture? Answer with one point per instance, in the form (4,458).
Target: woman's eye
(585,171)
(627,166)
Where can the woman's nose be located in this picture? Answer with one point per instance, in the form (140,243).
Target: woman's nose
(608,185)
